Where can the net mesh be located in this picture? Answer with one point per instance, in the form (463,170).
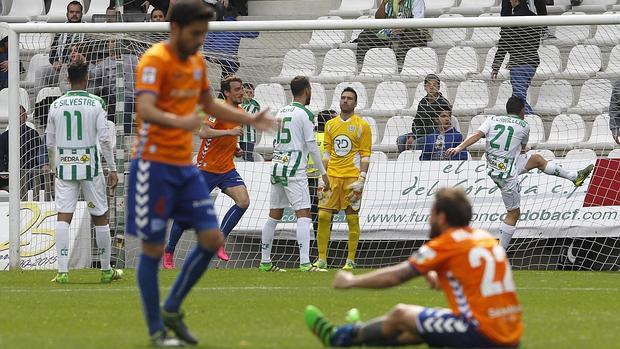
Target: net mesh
(561,227)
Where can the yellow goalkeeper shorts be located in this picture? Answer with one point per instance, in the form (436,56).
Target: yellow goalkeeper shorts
(336,198)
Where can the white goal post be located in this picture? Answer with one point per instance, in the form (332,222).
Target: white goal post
(15,30)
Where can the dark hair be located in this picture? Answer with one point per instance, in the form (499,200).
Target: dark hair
(185,12)
(299,84)
(454,203)
(157,9)
(323,117)
(248,85)
(225,85)
(111,7)
(77,71)
(514,105)
(444,107)
(74,2)
(349,89)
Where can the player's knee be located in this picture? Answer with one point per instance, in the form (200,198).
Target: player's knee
(243,202)
(100,220)
(398,312)
(539,161)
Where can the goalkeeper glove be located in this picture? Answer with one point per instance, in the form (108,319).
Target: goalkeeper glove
(355,194)
(320,190)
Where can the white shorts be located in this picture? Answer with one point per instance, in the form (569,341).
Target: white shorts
(68,192)
(296,194)
(509,187)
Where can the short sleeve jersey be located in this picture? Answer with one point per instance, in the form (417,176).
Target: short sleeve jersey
(290,156)
(178,85)
(346,142)
(505,135)
(216,155)
(476,277)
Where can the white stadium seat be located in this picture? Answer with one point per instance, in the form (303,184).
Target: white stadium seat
(567,130)
(47,92)
(484,36)
(390,97)
(354,34)
(379,64)
(325,39)
(614,154)
(550,62)
(437,7)
(37,62)
(359,88)
(474,125)
(594,98)
(95,8)
(471,98)
(606,34)
(473,7)
(265,143)
(600,137)
(419,62)
(351,8)
(555,97)
(460,62)
(24,100)
(35,42)
(378,156)
(409,156)
(594,6)
(503,93)
(373,128)
(296,62)
(485,74)
(571,35)
(448,37)
(338,65)
(395,126)
(318,99)
(24,11)
(545,153)
(612,71)
(537,129)
(584,61)
(270,96)
(580,154)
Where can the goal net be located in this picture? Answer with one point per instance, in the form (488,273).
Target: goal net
(566,66)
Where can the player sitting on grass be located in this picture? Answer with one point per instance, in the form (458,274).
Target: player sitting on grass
(77,122)
(507,138)
(470,267)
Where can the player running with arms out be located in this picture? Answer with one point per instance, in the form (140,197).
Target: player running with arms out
(347,145)
(163,184)
(289,182)
(77,122)
(506,140)
(467,264)
(215,160)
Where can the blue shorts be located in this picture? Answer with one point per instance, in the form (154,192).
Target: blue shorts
(441,328)
(158,192)
(222,180)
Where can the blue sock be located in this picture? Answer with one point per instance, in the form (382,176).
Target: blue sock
(148,284)
(343,336)
(195,265)
(231,218)
(175,235)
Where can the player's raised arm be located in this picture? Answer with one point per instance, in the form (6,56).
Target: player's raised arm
(471,139)
(381,278)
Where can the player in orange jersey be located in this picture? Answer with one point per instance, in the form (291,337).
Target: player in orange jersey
(163,184)
(215,160)
(467,264)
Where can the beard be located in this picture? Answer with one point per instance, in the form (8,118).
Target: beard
(308,99)
(435,231)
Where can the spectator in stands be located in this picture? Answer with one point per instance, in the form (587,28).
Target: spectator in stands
(133,6)
(248,139)
(76,53)
(522,44)
(111,15)
(400,40)
(539,7)
(614,112)
(426,116)
(61,49)
(158,15)
(162,5)
(444,138)
(4,62)
(222,47)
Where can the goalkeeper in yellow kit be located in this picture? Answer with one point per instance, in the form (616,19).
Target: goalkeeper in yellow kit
(347,156)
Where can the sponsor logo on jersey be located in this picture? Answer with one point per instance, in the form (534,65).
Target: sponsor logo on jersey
(197,74)
(74,159)
(149,75)
(185,93)
(424,254)
(342,145)
(91,205)
(351,128)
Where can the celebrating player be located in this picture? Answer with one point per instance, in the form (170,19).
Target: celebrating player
(467,264)
(171,83)
(289,182)
(215,159)
(347,157)
(77,122)
(507,138)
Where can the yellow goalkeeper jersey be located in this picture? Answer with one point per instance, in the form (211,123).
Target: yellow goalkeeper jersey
(346,142)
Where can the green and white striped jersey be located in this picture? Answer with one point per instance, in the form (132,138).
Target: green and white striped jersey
(290,155)
(505,136)
(76,123)
(249,133)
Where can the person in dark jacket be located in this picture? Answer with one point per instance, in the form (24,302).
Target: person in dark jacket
(522,44)
(614,112)
(444,138)
(426,116)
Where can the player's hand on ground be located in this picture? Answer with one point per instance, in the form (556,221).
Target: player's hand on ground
(112,179)
(343,280)
(452,152)
(189,122)
(433,280)
(237,131)
(265,122)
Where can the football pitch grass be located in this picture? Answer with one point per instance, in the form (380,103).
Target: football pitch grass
(248,309)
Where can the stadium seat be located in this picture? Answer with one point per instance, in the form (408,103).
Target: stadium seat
(37,62)
(606,34)
(420,92)
(612,71)
(580,154)
(484,36)
(454,121)
(354,34)
(485,74)
(474,125)
(567,131)
(614,154)
(270,96)
(296,62)
(395,126)
(584,61)
(570,35)
(600,137)
(550,62)
(503,93)
(24,11)
(24,99)
(555,97)
(409,156)
(545,153)
(338,65)
(594,6)
(379,64)
(473,7)
(537,130)
(95,8)
(594,98)
(390,98)
(318,99)
(47,92)
(558,7)
(471,98)
(265,143)
(460,61)
(35,42)
(448,37)
(419,62)
(437,7)
(359,89)
(378,156)
(57,12)
(373,128)
(352,8)
(325,39)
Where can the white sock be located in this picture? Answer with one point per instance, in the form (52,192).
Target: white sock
(267,238)
(104,243)
(304,225)
(506,231)
(62,246)
(556,170)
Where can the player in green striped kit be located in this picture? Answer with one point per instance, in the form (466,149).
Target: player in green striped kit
(248,139)
(76,131)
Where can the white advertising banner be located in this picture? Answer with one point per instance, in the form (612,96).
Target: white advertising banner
(38,236)
(398,196)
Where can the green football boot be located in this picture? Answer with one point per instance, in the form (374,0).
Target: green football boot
(318,324)
(349,265)
(582,175)
(321,264)
(308,267)
(269,267)
(108,276)
(353,316)
(61,278)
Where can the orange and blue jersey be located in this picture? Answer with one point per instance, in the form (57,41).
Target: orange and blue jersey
(216,155)
(178,85)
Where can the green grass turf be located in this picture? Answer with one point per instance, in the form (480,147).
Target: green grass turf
(247,309)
